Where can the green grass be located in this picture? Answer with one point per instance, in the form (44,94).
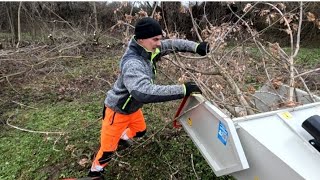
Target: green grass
(308,57)
(40,156)
(30,155)
(27,37)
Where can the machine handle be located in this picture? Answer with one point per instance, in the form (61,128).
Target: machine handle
(175,123)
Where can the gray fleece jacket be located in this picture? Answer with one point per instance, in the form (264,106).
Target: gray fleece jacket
(134,86)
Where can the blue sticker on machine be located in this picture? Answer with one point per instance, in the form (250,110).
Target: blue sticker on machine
(222,133)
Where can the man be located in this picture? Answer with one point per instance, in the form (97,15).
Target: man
(122,116)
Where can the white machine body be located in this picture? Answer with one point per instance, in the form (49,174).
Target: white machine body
(266,146)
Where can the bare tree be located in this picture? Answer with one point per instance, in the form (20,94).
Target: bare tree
(95,16)
(12,20)
(19,25)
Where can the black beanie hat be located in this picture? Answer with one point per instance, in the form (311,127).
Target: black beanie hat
(146,28)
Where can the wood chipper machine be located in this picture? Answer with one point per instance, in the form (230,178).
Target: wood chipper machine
(281,144)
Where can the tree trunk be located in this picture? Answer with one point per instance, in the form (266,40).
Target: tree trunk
(12,22)
(19,25)
(95,17)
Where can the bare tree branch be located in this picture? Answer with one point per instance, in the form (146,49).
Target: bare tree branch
(305,86)
(290,60)
(233,86)
(164,20)
(307,72)
(155,4)
(195,28)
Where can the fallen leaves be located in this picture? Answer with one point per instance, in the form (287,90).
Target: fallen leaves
(274,49)
(157,16)
(247,8)
(277,82)
(128,18)
(281,6)
(142,13)
(70,147)
(290,104)
(83,162)
(251,89)
(311,17)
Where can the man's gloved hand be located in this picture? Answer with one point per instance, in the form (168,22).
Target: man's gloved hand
(203,48)
(191,87)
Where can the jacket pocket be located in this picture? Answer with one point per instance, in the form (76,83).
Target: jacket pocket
(112,119)
(104,112)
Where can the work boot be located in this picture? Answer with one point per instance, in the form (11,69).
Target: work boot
(124,144)
(96,175)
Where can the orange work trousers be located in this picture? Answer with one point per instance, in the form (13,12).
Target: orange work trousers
(114,125)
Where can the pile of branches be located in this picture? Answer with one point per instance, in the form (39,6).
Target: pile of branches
(230,75)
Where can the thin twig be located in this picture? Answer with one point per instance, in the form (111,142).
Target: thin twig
(204,13)
(23,105)
(192,164)
(97,77)
(164,19)
(55,142)
(214,72)
(14,74)
(58,57)
(307,72)
(71,46)
(12,86)
(266,70)
(154,9)
(31,131)
(195,28)
(192,57)
(172,175)
(122,162)
(306,87)
(298,32)
(127,29)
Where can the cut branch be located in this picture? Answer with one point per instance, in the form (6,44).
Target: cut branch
(233,86)
(194,24)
